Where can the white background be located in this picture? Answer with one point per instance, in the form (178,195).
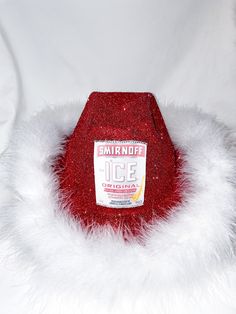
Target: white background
(56,51)
(53,52)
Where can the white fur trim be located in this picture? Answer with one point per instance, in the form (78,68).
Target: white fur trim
(188,262)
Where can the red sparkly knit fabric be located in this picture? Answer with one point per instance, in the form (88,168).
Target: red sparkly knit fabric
(119,116)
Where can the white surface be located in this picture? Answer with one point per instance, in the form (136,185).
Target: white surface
(182,51)
(8,92)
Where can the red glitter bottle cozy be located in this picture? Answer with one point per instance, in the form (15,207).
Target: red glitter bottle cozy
(113,126)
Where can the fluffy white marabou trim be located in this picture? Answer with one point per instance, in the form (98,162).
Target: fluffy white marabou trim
(188,262)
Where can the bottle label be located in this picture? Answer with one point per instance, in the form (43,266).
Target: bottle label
(120,173)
